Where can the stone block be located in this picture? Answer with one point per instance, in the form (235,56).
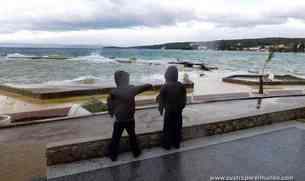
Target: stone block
(22,162)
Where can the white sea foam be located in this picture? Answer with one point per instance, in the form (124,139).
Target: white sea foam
(154,62)
(18,55)
(90,79)
(154,79)
(159,78)
(94,58)
(97,58)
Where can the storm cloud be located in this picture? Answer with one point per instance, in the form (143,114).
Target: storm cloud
(93,14)
(47,19)
(83,14)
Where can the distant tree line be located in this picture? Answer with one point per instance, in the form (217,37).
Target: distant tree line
(169,46)
(276,44)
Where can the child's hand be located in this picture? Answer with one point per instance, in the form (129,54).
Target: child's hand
(161,111)
(158,99)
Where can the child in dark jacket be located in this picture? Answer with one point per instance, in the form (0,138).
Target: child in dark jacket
(121,106)
(172,98)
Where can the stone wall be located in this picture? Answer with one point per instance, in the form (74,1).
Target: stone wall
(92,148)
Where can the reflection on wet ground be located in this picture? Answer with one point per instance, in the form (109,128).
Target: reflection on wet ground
(278,153)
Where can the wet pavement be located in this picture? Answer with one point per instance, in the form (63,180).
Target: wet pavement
(147,120)
(277,153)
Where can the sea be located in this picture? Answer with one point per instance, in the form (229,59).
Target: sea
(19,65)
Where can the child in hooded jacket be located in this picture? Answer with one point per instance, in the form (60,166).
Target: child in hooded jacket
(121,106)
(172,99)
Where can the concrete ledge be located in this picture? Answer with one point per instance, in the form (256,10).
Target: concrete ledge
(87,148)
(43,121)
(199,99)
(246,96)
(55,92)
(39,114)
(280,80)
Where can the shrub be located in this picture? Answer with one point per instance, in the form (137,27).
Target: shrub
(94,106)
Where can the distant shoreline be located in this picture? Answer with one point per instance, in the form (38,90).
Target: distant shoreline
(258,44)
(279,44)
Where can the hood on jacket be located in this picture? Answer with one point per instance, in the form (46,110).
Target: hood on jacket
(171,74)
(121,78)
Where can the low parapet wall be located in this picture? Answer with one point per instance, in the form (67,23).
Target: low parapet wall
(48,115)
(55,92)
(87,148)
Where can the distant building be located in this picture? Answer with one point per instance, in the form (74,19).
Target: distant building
(255,48)
(202,48)
(281,46)
(301,47)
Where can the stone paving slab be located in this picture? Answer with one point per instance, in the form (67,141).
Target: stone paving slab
(22,162)
(277,153)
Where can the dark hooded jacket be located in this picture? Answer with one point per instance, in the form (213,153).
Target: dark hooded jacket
(173,93)
(121,101)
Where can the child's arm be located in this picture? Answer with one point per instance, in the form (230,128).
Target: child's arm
(110,104)
(161,100)
(142,88)
(184,93)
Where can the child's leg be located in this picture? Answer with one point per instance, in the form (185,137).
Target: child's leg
(133,139)
(177,135)
(115,141)
(167,133)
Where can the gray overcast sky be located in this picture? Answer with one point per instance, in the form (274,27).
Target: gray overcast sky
(127,22)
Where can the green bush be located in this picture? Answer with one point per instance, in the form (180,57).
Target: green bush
(94,106)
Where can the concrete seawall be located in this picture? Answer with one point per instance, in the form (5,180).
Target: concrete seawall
(56,92)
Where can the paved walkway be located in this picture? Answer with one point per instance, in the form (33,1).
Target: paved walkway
(146,121)
(271,152)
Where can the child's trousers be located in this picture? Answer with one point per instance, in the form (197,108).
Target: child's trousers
(118,129)
(172,129)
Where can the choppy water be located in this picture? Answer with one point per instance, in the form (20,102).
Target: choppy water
(97,64)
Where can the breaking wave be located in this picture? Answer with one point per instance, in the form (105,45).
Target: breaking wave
(18,55)
(95,58)
(82,80)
